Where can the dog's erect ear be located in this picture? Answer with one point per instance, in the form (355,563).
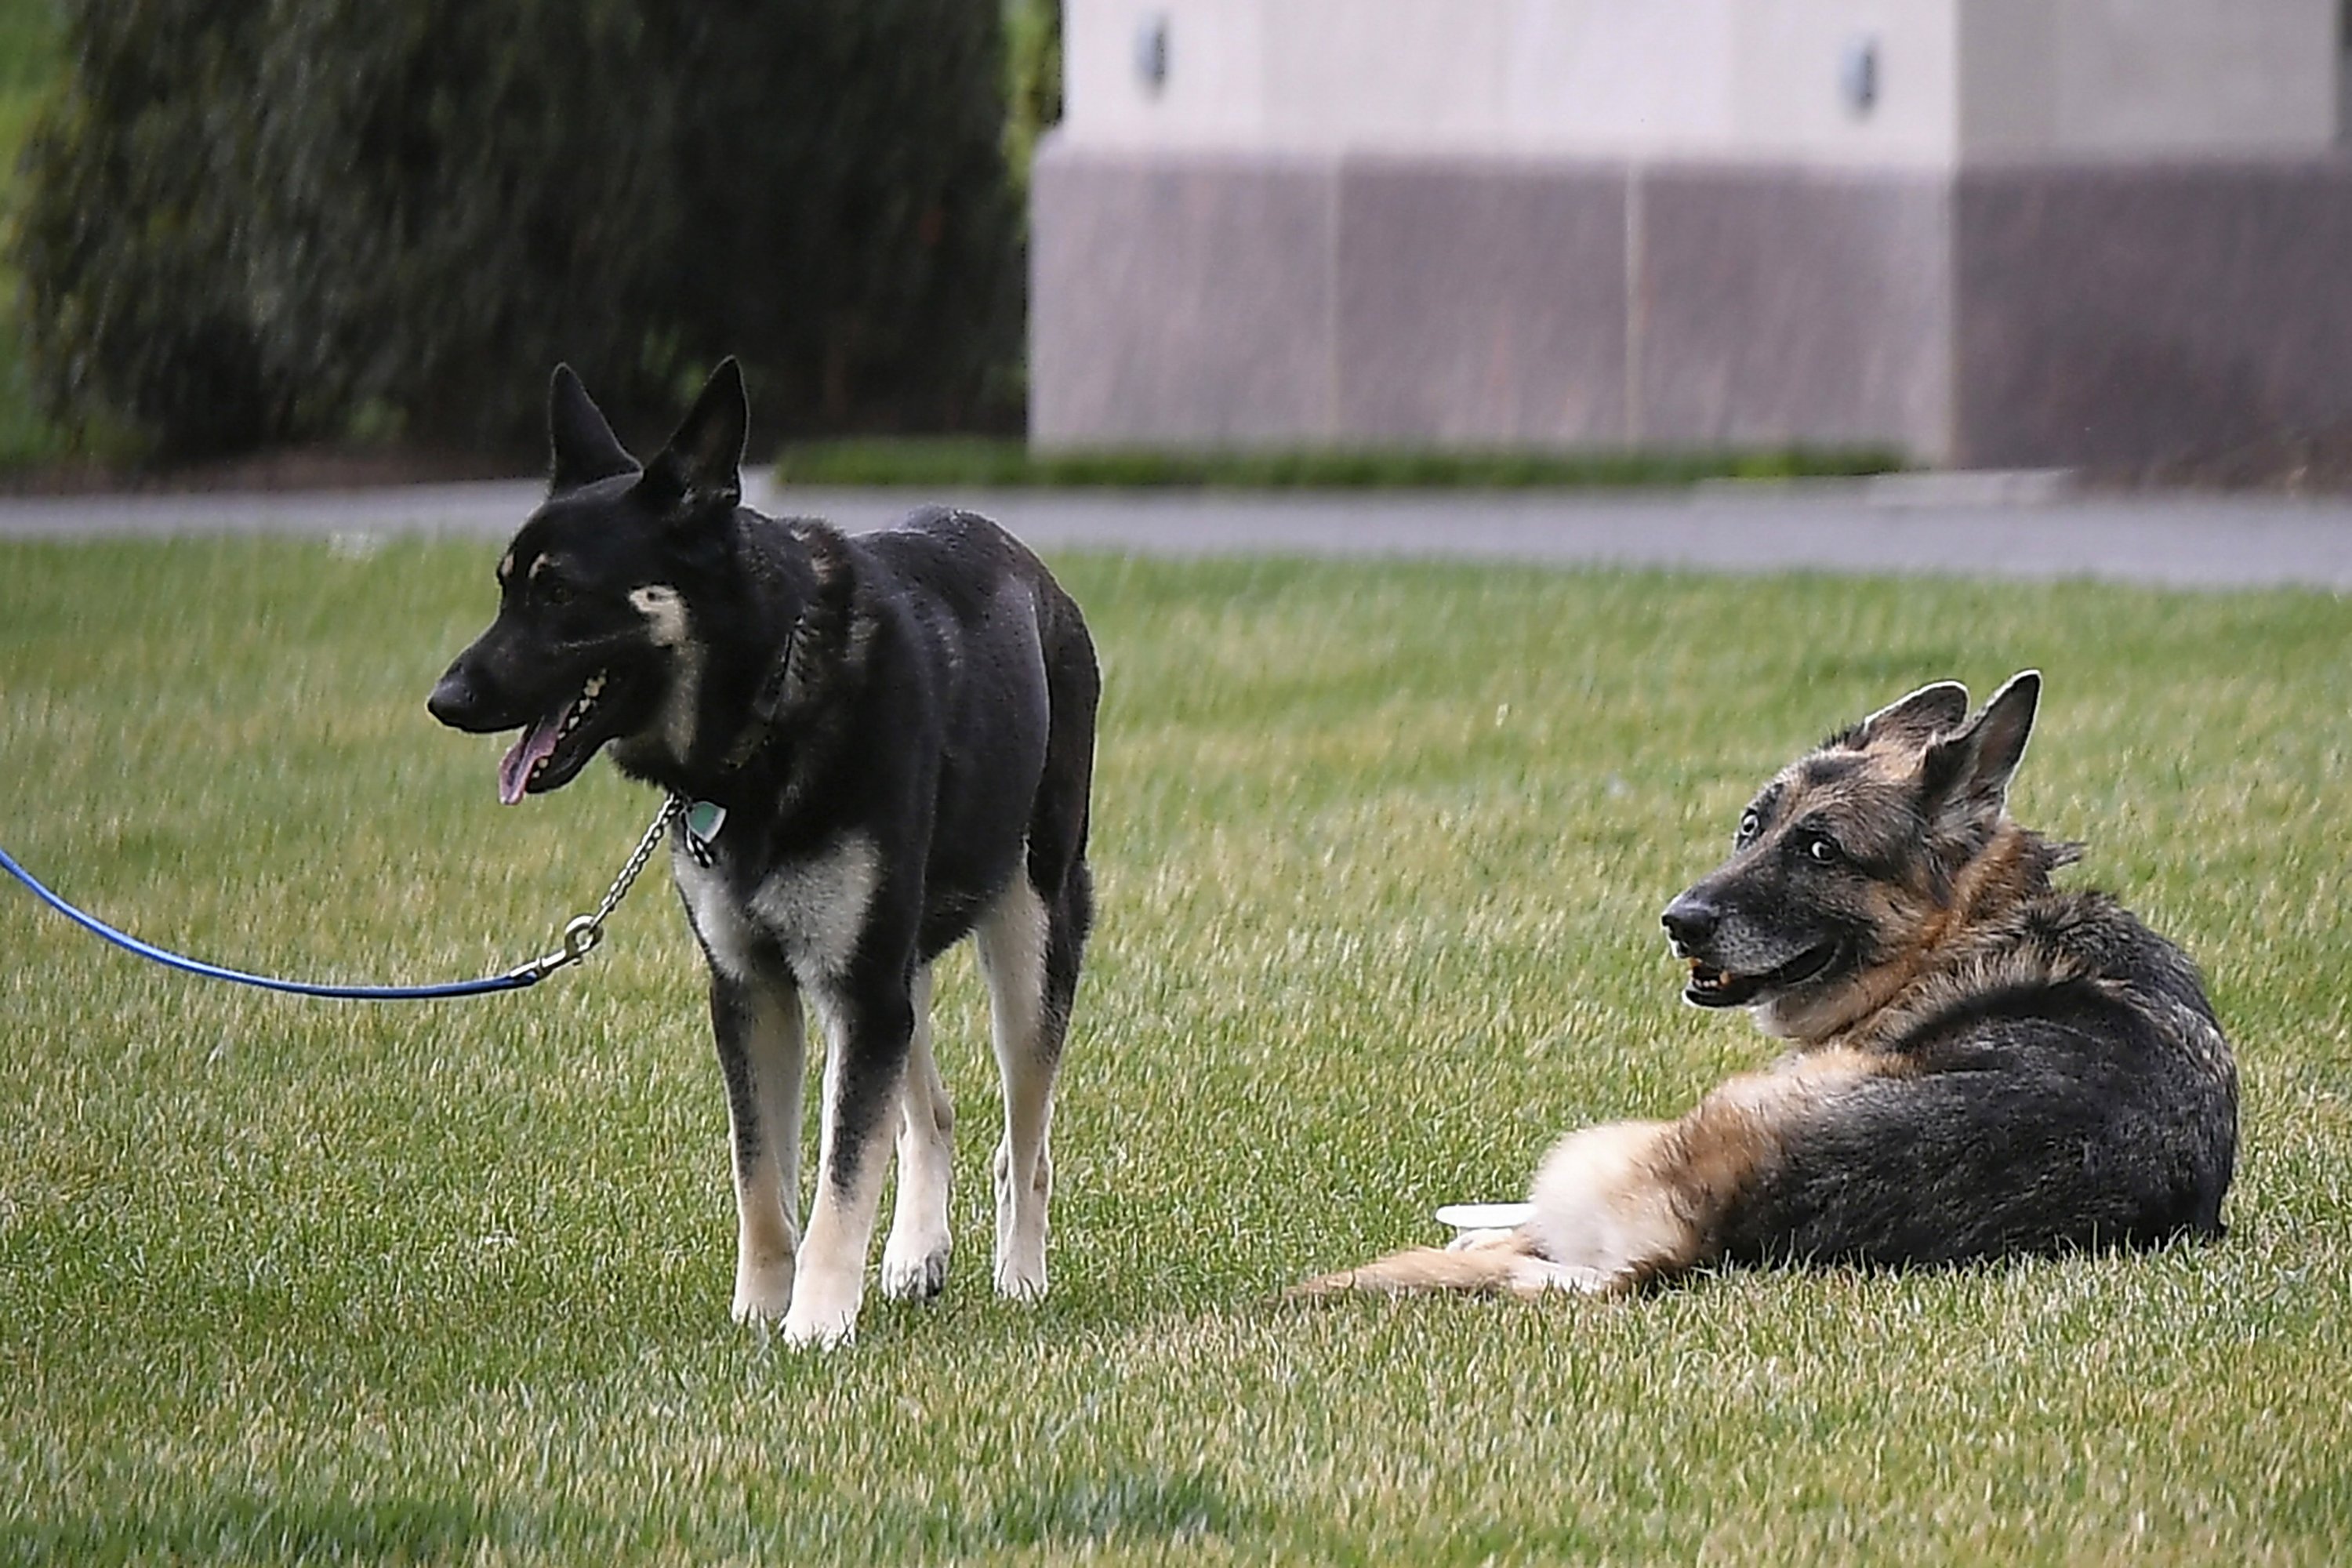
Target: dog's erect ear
(1964,775)
(583,445)
(1915,720)
(703,464)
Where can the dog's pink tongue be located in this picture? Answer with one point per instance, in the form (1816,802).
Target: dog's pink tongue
(514,768)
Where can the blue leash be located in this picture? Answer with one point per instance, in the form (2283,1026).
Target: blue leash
(581,936)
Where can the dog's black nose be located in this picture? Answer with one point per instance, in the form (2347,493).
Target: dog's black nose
(1689,922)
(454,700)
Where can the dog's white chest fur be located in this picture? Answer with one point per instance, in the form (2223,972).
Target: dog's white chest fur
(812,909)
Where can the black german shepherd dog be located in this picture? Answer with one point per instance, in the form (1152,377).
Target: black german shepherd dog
(888,743)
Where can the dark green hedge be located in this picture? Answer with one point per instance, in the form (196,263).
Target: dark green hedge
(258,220)
(1033,78)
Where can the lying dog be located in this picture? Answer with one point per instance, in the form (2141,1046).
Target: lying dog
(889,741)
(1983,1065)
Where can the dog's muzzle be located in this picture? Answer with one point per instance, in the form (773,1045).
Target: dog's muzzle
(1693,925)
(1690,924)
(457,703)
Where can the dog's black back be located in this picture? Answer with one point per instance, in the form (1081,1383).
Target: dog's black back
(2090,1105)
(1016,759)
(937,692)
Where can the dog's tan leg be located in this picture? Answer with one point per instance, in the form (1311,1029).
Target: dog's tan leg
(1606,1218)
(852,1165)
(1012,940)
(915,1259)
(761,1051)
(1505,1263)
(1605,1221)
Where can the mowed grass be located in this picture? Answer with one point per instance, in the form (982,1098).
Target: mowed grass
(1379,852)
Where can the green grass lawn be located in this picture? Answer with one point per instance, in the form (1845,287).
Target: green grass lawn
(1380,849)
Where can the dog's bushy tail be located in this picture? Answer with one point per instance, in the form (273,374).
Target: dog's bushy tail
(1506,1263)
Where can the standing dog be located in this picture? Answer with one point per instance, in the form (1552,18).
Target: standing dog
(1983,1065)
(889,741)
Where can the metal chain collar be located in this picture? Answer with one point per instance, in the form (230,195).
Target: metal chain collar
(582,933)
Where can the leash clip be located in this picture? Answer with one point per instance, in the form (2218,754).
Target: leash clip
(582,933)
(581,936)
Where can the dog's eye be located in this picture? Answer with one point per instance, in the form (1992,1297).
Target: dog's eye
(1822,850)
(554,590)
(1750,825)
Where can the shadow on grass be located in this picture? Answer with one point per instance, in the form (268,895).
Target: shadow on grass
(1117,1506)
(246,1527)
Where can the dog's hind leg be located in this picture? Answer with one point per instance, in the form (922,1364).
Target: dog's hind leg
(1028,954)
(761,1049)
(1030,942)
(915,1259)
(1621,1203)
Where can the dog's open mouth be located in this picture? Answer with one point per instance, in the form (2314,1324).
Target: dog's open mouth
(541,759)
(1712,987)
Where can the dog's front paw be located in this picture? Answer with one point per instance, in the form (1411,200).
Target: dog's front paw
(818,1331)
(915,1270)
(822,1314)
(761,1295)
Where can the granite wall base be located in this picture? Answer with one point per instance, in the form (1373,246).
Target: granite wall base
(2006,316)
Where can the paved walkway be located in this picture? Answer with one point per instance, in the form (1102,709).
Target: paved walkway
(2020,526)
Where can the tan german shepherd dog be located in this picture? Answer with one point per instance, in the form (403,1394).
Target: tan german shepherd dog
(1981,1064)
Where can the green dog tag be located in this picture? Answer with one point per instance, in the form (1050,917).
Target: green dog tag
(704,818)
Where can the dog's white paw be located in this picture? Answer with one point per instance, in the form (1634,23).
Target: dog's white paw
(812,1328)
(914,1269)
(915,1259)
(762,1296)
(1022,1279)
(1020,1229)
(824,1312)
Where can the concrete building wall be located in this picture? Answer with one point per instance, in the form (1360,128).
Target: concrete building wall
(1181,300)
(1214,299)
(1979,231)
(2105,79)
(2117,312)
(1743,80)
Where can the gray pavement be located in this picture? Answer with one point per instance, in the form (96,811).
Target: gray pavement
(1999,525)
